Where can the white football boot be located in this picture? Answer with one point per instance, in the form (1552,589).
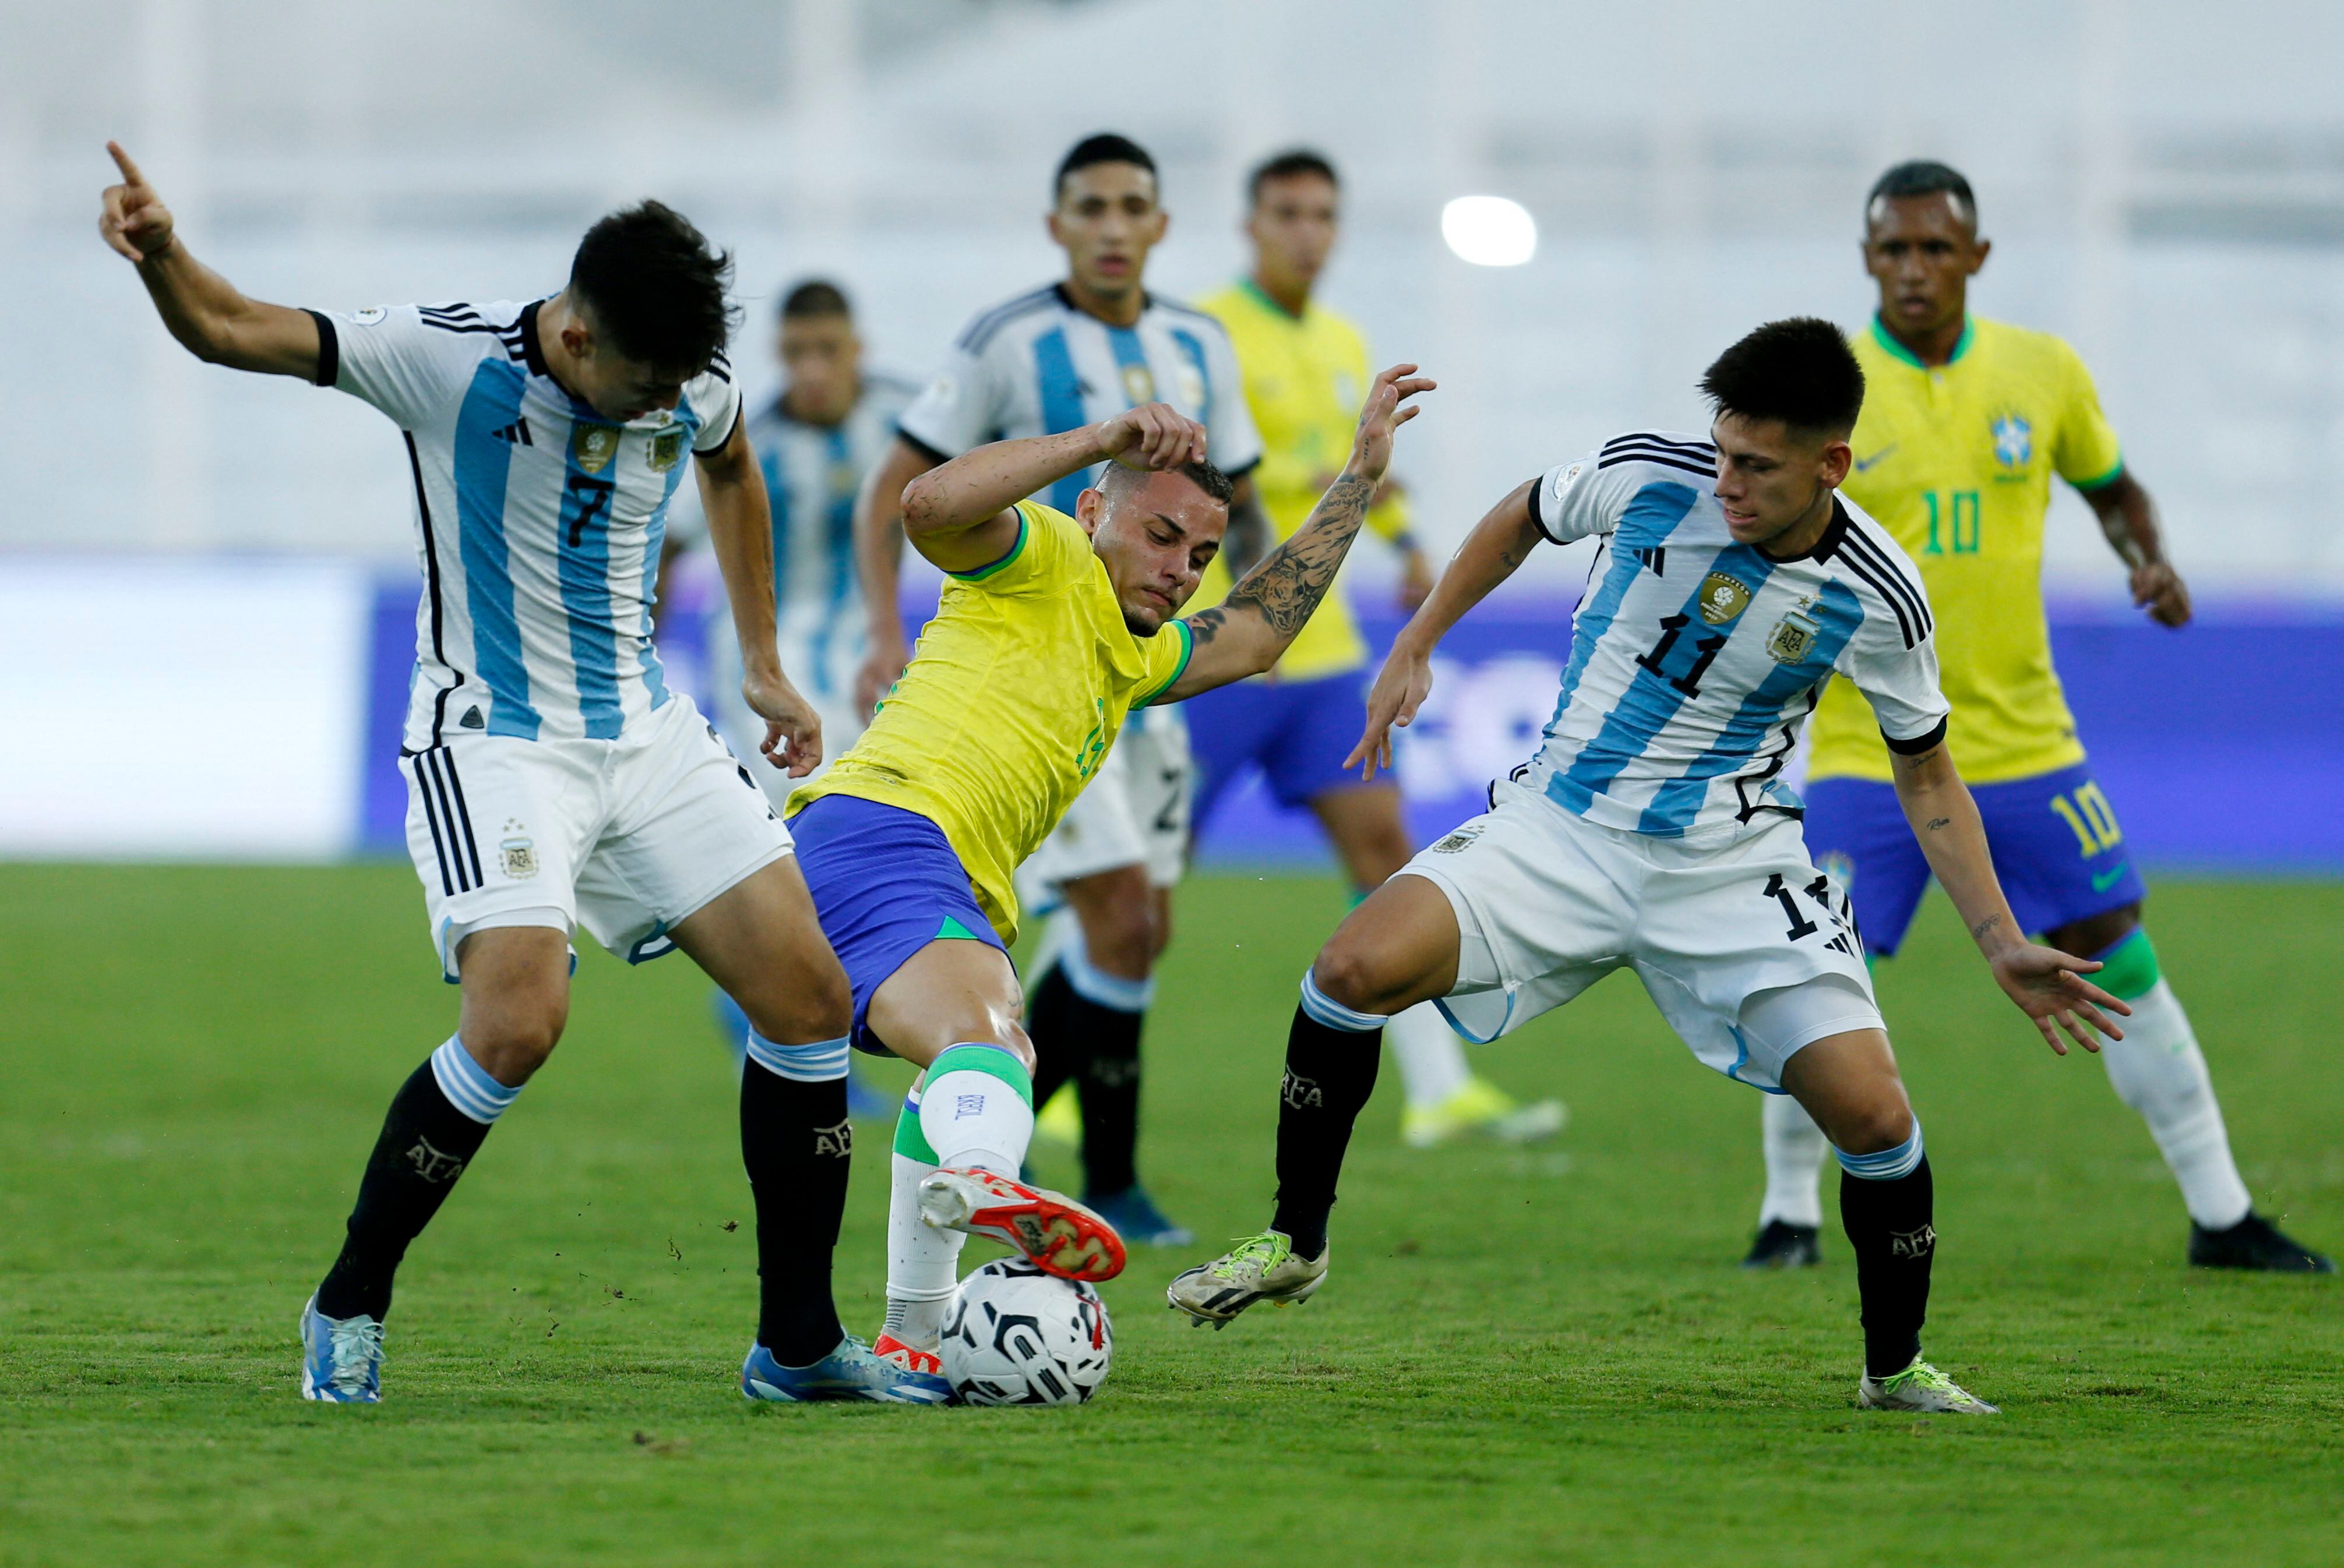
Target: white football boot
(1923,1388)
(1261,1268)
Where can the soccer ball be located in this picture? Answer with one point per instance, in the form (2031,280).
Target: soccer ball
(1019,1336)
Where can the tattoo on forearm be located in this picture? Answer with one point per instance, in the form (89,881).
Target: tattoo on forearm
(1978,932)
(1285,589)
(1937,822)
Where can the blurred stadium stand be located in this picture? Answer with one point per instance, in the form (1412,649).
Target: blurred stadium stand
(2165,182)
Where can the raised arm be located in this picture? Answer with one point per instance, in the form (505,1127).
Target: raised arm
(2127,515)
(203,310)
(1501,542)
(2046,984)
(960,515)
(879,569)
(1245,632)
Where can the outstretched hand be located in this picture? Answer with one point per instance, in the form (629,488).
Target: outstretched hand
(1152,435)
(792,728)
(2049,986)
(1400,688)
(1386,410)
(132,219)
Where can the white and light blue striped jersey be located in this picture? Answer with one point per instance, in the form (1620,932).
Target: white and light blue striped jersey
(1694,658)
(813,473)
(537,521)
(1037,366)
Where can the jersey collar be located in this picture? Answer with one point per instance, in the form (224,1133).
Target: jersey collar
(1067,298)
(1255,290)
(1881,336)
(1824,548)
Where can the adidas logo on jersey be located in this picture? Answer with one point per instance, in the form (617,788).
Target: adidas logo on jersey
(517,433)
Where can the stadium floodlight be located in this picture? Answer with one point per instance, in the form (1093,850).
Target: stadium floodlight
(1490,230)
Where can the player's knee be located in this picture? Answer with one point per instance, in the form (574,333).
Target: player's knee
(814,1006)
(512,1040)
(1347,973)
(1121,939)
(1873,1128)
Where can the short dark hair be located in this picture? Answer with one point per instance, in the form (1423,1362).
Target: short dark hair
(1921,177)
(815,297)
(1106,147)
(1799,370)
(1286,165)
(1202,474)
(655,287)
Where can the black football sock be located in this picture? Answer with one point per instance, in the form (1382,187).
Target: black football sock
(1331,1071)
(426,1143)
(1057,1043)
(1890,1223)
(796,1142)
(1110,1098)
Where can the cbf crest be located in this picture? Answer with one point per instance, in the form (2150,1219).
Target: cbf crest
(593,446)
(665,449)
(1722,598)
(2014,440)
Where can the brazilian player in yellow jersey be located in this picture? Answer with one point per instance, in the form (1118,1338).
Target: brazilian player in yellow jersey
(1052,630)
(1305,370)
(1965,424)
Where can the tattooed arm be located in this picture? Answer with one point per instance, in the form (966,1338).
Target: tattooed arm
(2046,984)
(1245,632)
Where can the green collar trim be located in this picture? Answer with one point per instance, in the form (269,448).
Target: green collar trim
(1266,303)
(1880,335)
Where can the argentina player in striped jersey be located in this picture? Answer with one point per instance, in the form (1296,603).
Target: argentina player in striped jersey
(1049,361)
(1653,831)
(553,779)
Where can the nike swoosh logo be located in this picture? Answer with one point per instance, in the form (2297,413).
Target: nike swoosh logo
(1863,465)
(2103,884)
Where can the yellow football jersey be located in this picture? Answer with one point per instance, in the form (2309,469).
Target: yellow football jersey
(1305,381)
(1956,462)
(1013,696)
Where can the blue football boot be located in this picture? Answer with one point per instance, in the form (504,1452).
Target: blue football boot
(341,1358)
(850,1371)
(1138,1219)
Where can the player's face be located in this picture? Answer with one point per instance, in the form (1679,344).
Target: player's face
(1771,478)
(1107,221)
(1922,251)
(1293,227)
(1156,533)
(822,365)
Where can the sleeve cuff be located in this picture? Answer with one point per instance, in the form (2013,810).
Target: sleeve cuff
(329,348)
(1538,516)
(738,412)
(922,447)
(2101,481)
(1919,743)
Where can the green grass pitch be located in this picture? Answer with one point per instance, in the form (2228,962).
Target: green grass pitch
(1542,1356)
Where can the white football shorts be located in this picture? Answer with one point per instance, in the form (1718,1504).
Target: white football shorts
(1748,951)
(624,837)
(1133,812)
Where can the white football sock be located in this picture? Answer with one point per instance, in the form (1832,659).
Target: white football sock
(1431,1057)
(976,1107)
(923,1263)
(2158,1071)
(1796,1151)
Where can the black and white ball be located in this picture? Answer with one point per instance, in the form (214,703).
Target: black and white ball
(1019,1336)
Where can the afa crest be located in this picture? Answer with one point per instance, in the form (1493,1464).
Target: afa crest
(1138,385)
(2014,440)
(1722,598)
(593,446)
(665,449)
(1793,638)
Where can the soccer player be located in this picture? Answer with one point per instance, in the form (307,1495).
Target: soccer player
(814,443)
(1051,631)
(553,780)
(1652,831)
(1062,358)
(1305,370)
(1965,424)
